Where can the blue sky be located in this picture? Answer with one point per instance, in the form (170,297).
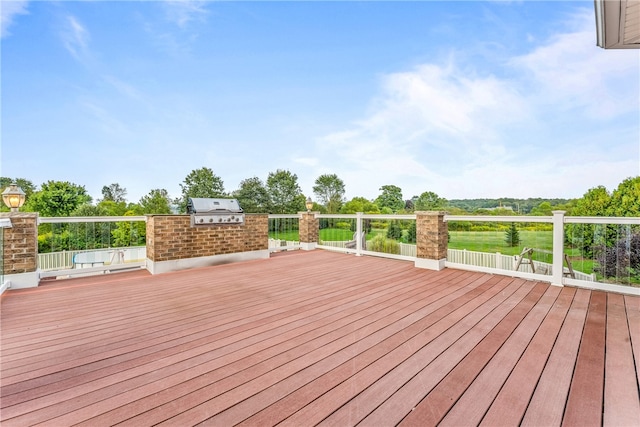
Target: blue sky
(466,99)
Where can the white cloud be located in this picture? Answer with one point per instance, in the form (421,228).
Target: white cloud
(183,12)
(9,9)
(570,72)
(462,133)
(75,38)
(106,122)
(124,88)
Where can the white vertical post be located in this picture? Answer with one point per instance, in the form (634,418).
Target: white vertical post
(558,248)
(358,233)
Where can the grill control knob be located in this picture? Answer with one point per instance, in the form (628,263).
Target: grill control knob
(210,219)
(201,220)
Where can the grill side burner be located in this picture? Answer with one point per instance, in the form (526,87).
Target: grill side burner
(211,211)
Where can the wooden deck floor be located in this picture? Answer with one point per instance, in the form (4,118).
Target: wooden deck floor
(318,338)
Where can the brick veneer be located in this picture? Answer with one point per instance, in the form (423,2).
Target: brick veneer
(171,237)
(309,227)
(431,235)
(20,250)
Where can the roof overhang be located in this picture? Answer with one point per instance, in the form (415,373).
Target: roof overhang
(618,24)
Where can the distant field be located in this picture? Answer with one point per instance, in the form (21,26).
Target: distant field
(494,241)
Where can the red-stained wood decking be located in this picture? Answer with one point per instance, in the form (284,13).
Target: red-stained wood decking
(317,338)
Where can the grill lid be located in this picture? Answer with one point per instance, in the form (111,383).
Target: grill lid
(200,205)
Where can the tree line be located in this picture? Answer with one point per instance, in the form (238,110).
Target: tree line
(281,194)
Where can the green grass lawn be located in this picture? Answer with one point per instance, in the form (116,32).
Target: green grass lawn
(290,235)
(335,234)
(494,241)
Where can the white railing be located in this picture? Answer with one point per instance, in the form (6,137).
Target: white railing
(506,262)
(360,247)
(90,260)
(554,271)
(277,245)
(65,259)
(282,226)
(406,249)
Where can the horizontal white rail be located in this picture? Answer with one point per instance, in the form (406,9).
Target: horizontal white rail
(81,219)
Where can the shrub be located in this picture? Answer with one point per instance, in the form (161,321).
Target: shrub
(381,244)
(394,231)
(621,260)
(411,235)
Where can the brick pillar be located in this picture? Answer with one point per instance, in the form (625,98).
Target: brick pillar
(309,230)
(20,250)
(431,240)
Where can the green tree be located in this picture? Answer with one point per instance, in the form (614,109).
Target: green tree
(129,233)
(595,202)
(114,193)
(359,204)
(200,183)
(329,190)
(512,235)
(90,210)
(391,197)
(429,201)
(113,208)
(76,236)
(285,193)
(57,198)
(157,201)
(252,196)
(394,231)
(543,209)
(625,200)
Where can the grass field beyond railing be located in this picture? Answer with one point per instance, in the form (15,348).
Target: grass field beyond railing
(494,241)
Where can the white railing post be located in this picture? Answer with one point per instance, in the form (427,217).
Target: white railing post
(358,233)
(558,248)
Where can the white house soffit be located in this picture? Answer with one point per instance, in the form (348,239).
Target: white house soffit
(618,24)
(632,23)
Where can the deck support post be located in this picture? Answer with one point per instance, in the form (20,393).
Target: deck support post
(558,248)
(431,240)
(359,234)
(309,231)
(20,253)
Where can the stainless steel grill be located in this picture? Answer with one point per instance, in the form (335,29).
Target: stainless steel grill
(209,212)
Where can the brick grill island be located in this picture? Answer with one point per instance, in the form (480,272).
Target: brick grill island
(173,244)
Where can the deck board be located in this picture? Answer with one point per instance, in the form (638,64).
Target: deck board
(621,407)
(584,405)
(510,404)
(479,395)
(311,338)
